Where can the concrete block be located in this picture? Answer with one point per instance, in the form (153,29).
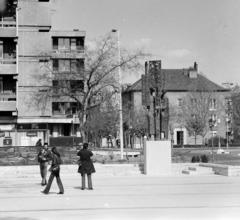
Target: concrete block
(157,158)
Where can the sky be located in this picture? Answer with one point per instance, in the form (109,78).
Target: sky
(178,32)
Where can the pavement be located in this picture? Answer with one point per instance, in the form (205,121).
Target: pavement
(120,197)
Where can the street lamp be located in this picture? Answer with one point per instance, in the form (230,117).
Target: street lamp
(120,93)
(211,125)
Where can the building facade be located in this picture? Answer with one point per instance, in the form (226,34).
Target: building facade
(34,58)
(165,115)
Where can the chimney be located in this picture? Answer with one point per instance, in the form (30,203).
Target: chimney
(146,68)
(195,66)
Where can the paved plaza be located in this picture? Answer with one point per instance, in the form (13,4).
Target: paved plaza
(120,197)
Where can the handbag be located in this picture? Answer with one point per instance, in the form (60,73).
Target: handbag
(54,168)
(79,166)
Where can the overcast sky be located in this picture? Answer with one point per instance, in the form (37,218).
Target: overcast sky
(178,32)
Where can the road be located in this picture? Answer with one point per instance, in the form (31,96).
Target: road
(130,197)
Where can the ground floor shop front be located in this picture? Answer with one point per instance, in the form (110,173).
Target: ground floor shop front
(29,134)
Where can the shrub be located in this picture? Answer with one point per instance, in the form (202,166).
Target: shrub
(198,159)
(204,158)
(194,159)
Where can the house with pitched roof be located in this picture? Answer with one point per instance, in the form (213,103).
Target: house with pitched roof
(185,95)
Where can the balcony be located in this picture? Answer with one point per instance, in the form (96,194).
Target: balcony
(8,67)
(7,22)
(68,54)
(8,106)
(7,96)
(8,27)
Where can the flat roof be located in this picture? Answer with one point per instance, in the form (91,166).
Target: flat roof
(68,33)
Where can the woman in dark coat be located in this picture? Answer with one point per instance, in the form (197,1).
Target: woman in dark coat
(86,166)
(55,172)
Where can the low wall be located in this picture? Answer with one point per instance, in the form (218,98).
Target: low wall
(28,155)
(17,155)
(224,170)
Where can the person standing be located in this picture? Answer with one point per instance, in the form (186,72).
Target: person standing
(39,143)
(55,172)
(43,158)
(86,166)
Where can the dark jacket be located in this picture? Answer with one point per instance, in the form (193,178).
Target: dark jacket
(56,161)
(86,164)
(44,156)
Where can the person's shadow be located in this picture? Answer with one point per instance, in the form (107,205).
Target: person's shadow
(77,187)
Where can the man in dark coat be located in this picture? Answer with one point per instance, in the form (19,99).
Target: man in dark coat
(55,172)
(86,166)
(43,157)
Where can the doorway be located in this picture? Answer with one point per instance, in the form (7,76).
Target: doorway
(67,130)
(180,136)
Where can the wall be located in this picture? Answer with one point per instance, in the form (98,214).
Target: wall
(28,155)
(32,44)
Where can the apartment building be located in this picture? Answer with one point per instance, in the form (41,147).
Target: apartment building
(33,58)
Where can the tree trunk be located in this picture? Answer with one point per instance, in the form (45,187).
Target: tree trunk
(82,121)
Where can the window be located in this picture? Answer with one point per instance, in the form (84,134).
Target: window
(193,101)
(77,66)
(180,102)
(64,43)
(1,84)
(64,65)
(76,85)
(1,49)
(73,44)
(55,65)
(213,104)
(55,43)
(58,107)
(214,117)
(66,108)
(67,65)
(80,43)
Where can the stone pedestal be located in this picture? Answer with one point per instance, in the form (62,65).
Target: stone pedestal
(157,158)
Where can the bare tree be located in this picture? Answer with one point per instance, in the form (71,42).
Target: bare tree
(196,112)
(103,121)
(97,75)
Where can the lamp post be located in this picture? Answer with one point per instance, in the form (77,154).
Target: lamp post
(120,93)
(219,137)
(227,134)
(211,125)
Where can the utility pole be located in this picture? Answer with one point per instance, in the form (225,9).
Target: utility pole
(120,92)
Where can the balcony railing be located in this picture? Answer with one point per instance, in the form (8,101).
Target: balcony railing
(7,96)
(7,22)
(68,50)
(8,61)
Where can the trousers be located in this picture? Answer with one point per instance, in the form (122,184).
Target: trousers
(43,172)
(89,176)
(50,180)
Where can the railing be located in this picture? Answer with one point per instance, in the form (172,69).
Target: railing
(65,113)
(8,61)
(68,50)
(7,22)
(7,96)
